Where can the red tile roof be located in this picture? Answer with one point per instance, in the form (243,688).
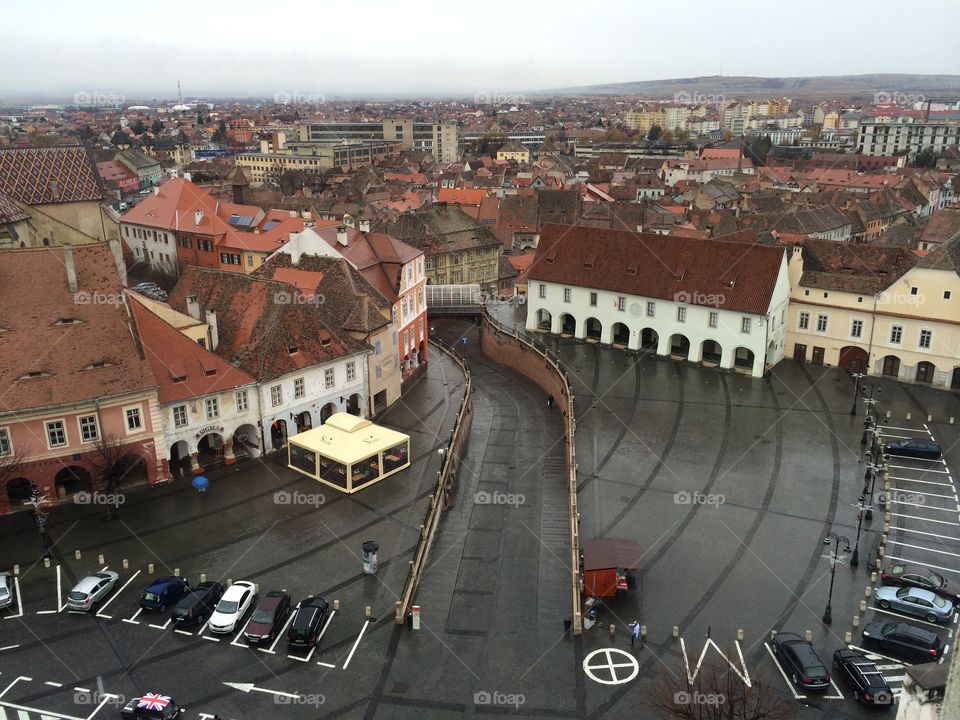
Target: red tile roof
(35,299)
(744,274)
(462,196)
(181,367)
(57,174)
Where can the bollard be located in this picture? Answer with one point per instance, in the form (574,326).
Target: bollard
(16,569)
(676,631)
(773,634)
(886,528)
(126,564)
(929,418)
(883,541)
(613,630)
(150,569)
(643,633)
(203,577)
(176,571)
(100,559)
(888,414)
(873,577)
(808,635)
(880,552)
(951,419)
(76,554)
(909,415)
(336,604)
(856,621)
(229,582)
(863,606)
(367,612)
(46,562)
(868,591)
(739,633)
(848,637)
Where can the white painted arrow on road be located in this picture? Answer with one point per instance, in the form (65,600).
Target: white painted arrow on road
(250,687)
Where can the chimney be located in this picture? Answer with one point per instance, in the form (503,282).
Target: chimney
(54,190)
(71,268)
(364,226)
(118,260)
(342,235)
(197,217)
(213,333)
(193,307)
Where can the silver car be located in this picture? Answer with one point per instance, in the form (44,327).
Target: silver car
(91,590)
(915,601)
(6,590)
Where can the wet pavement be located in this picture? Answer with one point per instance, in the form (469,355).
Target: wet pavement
(727,483)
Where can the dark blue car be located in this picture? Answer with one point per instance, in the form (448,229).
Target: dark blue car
(164,592)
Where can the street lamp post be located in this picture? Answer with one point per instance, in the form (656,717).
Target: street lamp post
(832,537)
(36,501)
(869,482)
(855,557)
(858,376)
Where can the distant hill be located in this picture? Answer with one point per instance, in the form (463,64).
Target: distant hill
(940,87)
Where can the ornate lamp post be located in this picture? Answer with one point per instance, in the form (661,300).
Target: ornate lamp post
(832,537)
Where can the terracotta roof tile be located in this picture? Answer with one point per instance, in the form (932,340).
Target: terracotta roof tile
(57,174)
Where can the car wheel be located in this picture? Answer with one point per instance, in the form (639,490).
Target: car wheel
(163,608)
(931,618)
(795,679)
(884,604)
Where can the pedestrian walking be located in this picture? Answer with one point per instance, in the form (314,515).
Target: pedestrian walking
(549,401)
(634,632)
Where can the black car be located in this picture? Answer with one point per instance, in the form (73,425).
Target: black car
(152,706)
(197,605)
(800,662)
(919,576)
(900,639)
(163,592)
(268,618)
(915,448)
(862,676)
(307,622)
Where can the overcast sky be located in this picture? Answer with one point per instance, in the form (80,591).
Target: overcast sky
(241,48)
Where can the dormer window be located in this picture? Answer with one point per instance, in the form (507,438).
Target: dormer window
(68,321)
(292,349)
(99,364)
(34,374)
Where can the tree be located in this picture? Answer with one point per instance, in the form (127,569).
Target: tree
(655,132)
(757,150)
(108,467)
(925,158)
(718,694)
(201,120)
(220,134)
(139,128)
(86,132)
(157,127)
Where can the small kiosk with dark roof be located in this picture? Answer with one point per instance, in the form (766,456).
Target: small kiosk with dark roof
(348,453)
(607,562)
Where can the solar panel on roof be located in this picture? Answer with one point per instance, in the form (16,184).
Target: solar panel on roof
(233,219)
(270,224)
(245,221)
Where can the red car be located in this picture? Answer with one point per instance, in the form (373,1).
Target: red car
(268,618)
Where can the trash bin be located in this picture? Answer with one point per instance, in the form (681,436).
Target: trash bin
(370,557)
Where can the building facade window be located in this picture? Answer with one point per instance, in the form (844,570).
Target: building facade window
(804,321)
(926,339)
(681,314)
(651,308)
(56,434)
(329,379)
(542,290)
(856,328)
(213,408)
(621,303)
(567,294)
(896,334)
(593,299)
(298,388)
(714,319)
(134,421)
(88,428)
(5,447)
(276,395)
(821,323)
(352,369)
(745,324)
(242,401)
(179,415)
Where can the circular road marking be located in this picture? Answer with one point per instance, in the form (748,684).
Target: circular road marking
(611,670)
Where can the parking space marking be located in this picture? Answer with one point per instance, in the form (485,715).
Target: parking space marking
(891,435)
(919,469)
(203,628)
(16,585)
(317,643)
(946,649)
(53,684)
(838,696)
(924,532)
(902,616)
(283,631)
(924,482)
(910,430)
(113,597)
(873,655)
(183,632)
(325,664)
(922,505)
(211,639)
(239,634)
(355,644)
(920,562)
(60,605)
(796,695)
(924,494)
(161,627)
(921,547)
(915,517)
(133,618)
(9,647)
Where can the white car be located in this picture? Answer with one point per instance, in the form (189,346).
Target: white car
(91,590)
(232,606)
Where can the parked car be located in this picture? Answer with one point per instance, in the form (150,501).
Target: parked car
(800,662)
(914,601)
(234,604)
(863,677)
(152,706)
(268,618)
(91,590)
(6,590)
(921,577)
(915,448)
(198,604)
(903,640)
(164,592)
(307,622)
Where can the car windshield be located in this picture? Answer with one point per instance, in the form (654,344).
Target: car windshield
(227,606)
(150,597)
(304,619)
(936,580)
(263,616)
(77,595)
(939,602)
